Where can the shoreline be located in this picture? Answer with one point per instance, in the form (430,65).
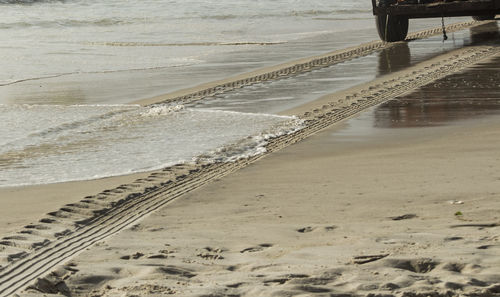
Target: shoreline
(292,68)
(320,114)
(53,196)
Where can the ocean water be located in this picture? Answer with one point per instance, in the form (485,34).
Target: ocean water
(50,38)
(80,142)
(72,68)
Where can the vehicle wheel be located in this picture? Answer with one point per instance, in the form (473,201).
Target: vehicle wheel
(484,17)
(391,28)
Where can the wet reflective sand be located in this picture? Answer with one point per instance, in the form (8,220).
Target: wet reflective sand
(461,96)
(404,54)
(277,96)
(470,96)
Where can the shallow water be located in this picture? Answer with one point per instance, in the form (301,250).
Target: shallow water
(41,39)
(277,96)
(64,143)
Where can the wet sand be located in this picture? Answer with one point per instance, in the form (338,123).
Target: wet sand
(400,200)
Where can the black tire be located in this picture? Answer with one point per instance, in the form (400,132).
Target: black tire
(484,17)
(391,28)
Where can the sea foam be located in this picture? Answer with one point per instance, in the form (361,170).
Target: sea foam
(67,143)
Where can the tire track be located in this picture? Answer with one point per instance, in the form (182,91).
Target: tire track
(302,66)
(154,192)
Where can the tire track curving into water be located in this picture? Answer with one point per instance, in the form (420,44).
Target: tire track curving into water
(98,217)
(297,67)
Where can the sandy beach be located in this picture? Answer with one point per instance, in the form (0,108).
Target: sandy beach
(411,212)
(50,197)
(400,200)
(309,221)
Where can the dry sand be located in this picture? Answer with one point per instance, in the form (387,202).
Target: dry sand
(410,212)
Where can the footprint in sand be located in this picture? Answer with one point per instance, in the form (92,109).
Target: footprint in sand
(311,229)
(421,265)
(306,229)
(235,285)
(258,248)
(485,247)
(404,217)
(163,254)
(134,256)
(158,256)
(210,253)
(330,228)
(480,226)
(176,271)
